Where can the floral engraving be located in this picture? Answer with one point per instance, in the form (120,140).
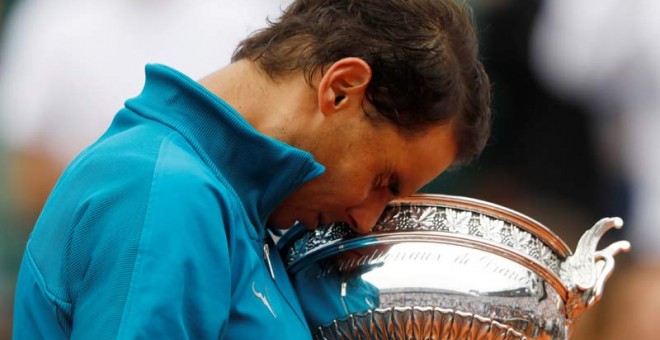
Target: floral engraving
(491,229)
(388,220)
(520,239)
(458,221)
(434,219)
(423,217)
(549,259)
(534,249)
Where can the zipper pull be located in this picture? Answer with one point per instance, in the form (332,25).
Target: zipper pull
(267,258)
(342,293)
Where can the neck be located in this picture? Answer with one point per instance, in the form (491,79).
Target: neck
(274,107)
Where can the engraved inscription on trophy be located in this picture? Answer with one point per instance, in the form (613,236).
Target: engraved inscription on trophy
(438,262)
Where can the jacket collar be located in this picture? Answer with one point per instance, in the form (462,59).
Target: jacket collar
(263,171)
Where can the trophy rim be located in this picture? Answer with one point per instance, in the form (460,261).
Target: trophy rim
(512,217)
(319,243)
(521,220)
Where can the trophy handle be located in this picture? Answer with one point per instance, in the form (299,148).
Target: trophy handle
(585,272)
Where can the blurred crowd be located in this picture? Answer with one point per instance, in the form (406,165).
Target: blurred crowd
(576,94)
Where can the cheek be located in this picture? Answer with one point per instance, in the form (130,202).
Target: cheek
(346,186)
(354,191)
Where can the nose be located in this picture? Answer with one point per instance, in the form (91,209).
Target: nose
(366,214)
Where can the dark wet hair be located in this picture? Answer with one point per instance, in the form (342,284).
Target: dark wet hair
(423,55)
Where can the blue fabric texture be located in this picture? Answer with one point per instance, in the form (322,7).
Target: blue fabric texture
(157,230)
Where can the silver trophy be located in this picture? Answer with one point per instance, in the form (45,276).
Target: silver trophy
(444,267)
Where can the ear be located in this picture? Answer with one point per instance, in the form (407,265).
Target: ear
(343,85)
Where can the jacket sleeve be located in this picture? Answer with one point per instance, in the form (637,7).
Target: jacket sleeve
(179,285)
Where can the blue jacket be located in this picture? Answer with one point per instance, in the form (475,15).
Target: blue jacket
(157,230)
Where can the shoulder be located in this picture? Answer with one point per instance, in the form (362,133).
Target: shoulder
(141,171)
(145,155)
(181,174)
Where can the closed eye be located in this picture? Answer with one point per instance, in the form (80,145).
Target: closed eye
(394,185)
(394,189)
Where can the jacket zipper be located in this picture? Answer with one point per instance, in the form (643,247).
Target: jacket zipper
(267,259)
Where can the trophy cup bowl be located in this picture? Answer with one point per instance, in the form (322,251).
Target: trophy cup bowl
(446,267)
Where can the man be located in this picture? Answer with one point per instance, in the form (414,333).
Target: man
(159,229)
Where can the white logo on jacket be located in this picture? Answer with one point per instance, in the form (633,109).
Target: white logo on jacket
(264,300)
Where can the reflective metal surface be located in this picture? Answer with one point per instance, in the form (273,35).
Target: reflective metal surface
(443,267)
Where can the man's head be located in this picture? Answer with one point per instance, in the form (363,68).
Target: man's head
(422,53)
(401,90)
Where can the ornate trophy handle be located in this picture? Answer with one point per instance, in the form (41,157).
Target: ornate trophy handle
(585,272)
